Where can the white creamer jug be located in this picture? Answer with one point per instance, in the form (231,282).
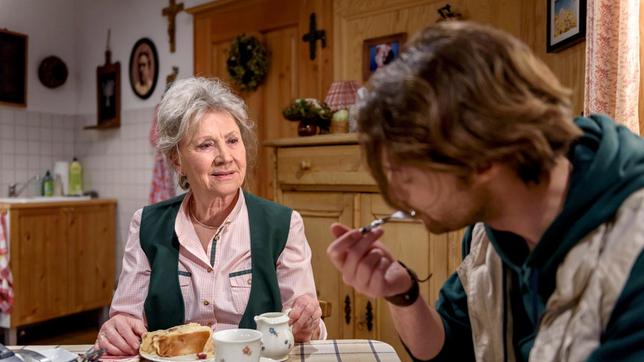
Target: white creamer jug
(277,336)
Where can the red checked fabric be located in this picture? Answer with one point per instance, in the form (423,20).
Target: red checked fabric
(6,280)
(162,187)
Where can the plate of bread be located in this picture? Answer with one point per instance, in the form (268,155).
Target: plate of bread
(187,342)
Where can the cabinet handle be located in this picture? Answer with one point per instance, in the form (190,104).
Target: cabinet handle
(347,309)
(305,165)
(369,316)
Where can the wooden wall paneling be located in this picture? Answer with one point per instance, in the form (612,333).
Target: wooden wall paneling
(279,88)
(202,64)
(527,21)
(355,21)
(316,75)
(568,65)
(280,24)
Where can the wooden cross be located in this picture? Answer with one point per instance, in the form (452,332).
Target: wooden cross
(313,35)
(171,12)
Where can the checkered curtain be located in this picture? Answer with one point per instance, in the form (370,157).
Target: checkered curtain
(612,60)
(6,279)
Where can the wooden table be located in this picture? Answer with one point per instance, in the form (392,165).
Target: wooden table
(333,350)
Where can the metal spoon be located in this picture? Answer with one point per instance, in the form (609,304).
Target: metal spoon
(397,215)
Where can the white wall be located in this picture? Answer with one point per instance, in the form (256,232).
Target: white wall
(129,21)
(51,28)
(117,162)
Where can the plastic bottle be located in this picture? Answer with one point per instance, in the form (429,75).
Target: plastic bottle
(75,178)
(48,185)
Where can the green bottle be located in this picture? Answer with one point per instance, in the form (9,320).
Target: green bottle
(75,178)
(48,185)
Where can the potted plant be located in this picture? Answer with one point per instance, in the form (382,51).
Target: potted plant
(311,113)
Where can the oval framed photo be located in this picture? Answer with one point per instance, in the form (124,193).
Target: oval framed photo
(144,68)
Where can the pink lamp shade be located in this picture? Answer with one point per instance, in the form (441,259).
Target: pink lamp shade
(342,94)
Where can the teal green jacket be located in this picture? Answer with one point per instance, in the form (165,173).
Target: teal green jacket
(608,166)
(164,307)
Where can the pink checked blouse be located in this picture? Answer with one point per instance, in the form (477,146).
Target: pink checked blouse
(215,283)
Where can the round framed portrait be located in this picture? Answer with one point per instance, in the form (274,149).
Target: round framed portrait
(144,68)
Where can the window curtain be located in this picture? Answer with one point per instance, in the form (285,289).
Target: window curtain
(612,60)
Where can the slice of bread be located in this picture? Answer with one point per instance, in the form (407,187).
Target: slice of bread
(178,341)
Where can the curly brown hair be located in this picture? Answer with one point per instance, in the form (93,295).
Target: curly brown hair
(461,96)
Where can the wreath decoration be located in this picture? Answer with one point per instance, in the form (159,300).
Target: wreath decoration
(247,62)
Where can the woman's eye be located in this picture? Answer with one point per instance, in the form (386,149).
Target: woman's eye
(205,146)
(233,141)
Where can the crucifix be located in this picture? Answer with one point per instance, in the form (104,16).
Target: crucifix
(171,12)
(313,35)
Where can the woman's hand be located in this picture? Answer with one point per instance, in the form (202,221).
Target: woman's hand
(305,318)
(121,335)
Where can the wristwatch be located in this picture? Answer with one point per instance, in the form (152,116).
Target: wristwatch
(410,296)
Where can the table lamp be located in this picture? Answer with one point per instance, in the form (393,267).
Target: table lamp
(341,95)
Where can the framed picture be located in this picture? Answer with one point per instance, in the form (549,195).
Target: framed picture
(108,95)
(378,52)
(144,68)
(566,24)
(13,68)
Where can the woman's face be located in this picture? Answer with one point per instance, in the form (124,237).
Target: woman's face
(212,155)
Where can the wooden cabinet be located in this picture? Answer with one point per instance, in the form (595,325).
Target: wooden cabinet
(62,258)
(325,179)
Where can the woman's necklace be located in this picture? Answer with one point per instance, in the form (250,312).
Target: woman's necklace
(193,217)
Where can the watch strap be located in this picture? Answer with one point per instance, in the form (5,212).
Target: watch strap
(411,295)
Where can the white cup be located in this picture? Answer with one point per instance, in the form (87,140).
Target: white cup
(239,345)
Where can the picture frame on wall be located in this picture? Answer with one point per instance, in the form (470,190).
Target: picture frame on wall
(108,95)
(144,68)
(566,24)
(380,51)
(13,68)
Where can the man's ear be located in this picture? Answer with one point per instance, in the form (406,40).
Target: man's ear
(486,173)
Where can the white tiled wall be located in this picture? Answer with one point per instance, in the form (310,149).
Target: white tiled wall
(118,164)
(30,143)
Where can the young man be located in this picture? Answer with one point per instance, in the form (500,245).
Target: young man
(469,129)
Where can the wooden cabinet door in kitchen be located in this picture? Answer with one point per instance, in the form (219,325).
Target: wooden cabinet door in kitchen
(91,234)
(319,210)
(39,262)
(421,251)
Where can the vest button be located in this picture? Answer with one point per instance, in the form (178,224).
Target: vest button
(209,270)
(205,302)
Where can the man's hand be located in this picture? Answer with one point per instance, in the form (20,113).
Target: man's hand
(305,318)
(121,335)
(366,264)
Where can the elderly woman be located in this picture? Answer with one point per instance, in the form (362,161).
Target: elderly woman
(216,255)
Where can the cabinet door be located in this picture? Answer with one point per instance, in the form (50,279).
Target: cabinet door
(423,252)
(91,254)
(40,264)
(319,210)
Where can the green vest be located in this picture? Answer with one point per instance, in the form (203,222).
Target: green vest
(269,227)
